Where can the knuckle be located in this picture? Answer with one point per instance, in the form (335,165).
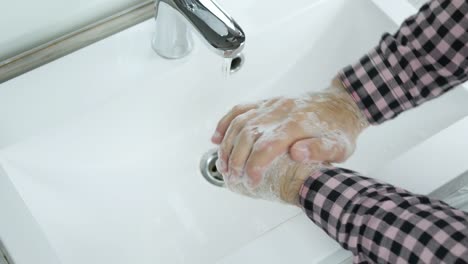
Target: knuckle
(254,121)
(222,150)
(269,102)
(249,132)
(222,158)
(240,108)
(246,133)
(237,121)
(244,118)
(236,109)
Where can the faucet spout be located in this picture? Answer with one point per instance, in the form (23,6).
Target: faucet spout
(218,30)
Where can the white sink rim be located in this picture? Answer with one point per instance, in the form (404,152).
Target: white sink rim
(9,151)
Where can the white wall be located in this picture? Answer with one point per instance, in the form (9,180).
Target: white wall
(25,24)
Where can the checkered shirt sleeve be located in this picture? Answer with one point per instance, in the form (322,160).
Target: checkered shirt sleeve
(380,223)
(425,58)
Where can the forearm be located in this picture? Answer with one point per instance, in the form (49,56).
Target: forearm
(384,224)
(425,58)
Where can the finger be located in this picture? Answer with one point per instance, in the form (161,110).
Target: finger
(241,151)
(270,102)
(224,123)
(318,150)
(236,111)
(267,148)
(226,146)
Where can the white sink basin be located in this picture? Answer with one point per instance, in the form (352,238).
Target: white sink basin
(103,145)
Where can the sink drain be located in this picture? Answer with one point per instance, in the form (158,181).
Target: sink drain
(208,168)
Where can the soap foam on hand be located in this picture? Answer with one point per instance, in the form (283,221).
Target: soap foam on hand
(264,143)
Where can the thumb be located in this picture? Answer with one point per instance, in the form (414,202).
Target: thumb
(318,150)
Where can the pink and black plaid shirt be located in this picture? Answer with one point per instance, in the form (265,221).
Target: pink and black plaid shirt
(378,222)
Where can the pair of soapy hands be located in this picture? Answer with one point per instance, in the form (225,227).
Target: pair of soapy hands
(268,149)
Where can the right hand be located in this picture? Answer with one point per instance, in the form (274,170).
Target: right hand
(319,127)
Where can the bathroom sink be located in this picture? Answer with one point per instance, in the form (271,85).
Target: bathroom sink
(103,145)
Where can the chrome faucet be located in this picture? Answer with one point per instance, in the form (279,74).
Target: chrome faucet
(173,38)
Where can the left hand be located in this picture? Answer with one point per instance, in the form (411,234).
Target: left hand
(281,181)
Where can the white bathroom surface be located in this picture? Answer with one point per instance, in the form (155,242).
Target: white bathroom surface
(20,234)
(103,145)
(295,241)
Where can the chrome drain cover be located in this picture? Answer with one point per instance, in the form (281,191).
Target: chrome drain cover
(208,168)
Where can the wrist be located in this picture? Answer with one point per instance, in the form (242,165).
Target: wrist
(340,89)
(290,189)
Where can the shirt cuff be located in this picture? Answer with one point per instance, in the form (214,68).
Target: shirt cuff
(326,194)
(376,86)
